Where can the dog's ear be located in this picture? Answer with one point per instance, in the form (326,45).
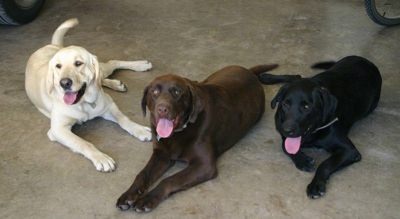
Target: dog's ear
(328,103)
(50,76)
(197,103)
(144,100)
(279,96)
(94,68)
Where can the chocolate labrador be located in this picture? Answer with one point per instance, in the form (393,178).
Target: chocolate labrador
(195,123)
(319,112)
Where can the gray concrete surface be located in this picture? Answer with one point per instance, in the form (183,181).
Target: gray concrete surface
(42,179)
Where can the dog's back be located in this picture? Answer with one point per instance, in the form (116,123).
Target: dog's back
(236,102)
(356,83)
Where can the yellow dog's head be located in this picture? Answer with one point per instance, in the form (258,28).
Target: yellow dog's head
(72,72)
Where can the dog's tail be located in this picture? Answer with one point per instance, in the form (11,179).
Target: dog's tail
(58,36)
(323,65)
(266,78)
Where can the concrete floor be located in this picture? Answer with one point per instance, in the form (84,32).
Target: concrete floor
(42,179)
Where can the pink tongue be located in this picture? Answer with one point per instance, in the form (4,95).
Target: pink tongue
(292,145)
(70,97)
(164,128)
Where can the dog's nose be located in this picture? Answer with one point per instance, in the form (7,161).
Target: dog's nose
(162,110)
(66,83)
(289,130)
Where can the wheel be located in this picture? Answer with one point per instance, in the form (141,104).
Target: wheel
(17,12)
(383,16)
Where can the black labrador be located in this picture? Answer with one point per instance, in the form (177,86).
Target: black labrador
(319,112)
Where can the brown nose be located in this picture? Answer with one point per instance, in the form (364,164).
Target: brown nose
(162,110)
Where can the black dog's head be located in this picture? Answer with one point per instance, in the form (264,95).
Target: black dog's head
(303,106)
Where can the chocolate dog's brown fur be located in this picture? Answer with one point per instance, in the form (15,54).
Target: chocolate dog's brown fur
(208,118)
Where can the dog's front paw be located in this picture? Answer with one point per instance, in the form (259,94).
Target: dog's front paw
(142,133)
(316,189)
(147,202)
(102,162)
(143,65)
(304,163)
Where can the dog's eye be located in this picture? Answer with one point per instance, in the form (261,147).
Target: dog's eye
(78,63)
(156,91)
(58,66)
(306,107)
(177,92)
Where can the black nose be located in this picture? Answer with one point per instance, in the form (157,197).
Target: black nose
(66,83)
(162,110)
(288,129)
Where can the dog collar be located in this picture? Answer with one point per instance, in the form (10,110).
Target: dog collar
(322,127)
(183,127)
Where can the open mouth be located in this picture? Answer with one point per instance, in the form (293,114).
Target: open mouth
(165,126)
(71,98)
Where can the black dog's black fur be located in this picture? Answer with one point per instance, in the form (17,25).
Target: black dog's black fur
(349,91)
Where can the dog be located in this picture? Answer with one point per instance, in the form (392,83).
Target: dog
(195,123)
(319,112)
(65,84)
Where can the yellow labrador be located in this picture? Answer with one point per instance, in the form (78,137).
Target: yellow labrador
(65,84)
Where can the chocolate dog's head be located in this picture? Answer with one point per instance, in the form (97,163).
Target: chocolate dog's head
(303,107)
(173,101)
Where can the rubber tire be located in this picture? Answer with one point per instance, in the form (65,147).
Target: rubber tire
(377,17)
(13,14)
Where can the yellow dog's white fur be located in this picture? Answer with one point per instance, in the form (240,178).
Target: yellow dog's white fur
(42,84)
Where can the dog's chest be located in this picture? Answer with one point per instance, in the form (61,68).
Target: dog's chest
(87,111)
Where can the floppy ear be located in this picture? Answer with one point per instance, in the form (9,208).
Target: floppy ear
(279,96)
(144,100)
(50,77)
(328,103)
(197,103)
(94,67)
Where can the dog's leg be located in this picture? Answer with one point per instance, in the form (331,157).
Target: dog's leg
(158,164)
(108,68)
(60,131)
(112,65)
(344,155)
(303,162)
(143,133)
(200,169)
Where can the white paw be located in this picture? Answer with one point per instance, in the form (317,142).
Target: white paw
(103,162)
(114,84)
(142,65)
(119,86)
(142,133)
